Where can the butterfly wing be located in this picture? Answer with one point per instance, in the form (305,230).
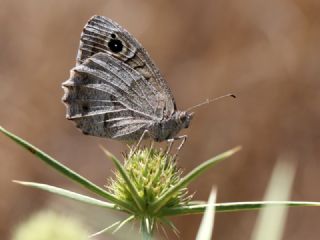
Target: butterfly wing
(107,98)
(115,90)
(104,35)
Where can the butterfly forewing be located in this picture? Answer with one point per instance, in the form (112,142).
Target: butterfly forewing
(102,35)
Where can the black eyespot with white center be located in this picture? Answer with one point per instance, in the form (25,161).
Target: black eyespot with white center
(115,45)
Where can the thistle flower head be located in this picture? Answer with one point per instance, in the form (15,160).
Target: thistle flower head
(152,173)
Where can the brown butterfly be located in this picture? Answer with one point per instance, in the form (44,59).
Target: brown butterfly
(116,91)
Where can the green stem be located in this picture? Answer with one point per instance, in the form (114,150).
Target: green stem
(147,227)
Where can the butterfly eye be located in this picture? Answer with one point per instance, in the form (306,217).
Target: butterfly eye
(115,45)
(183,118)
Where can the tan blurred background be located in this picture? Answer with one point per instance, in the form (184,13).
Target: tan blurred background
(266,52)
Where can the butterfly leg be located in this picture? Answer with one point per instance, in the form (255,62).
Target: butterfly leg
(140,140)
(183,139)
(170,141)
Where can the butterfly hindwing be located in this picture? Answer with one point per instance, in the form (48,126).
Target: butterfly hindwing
(105,98)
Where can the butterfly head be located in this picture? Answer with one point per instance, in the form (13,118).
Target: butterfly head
(184,119)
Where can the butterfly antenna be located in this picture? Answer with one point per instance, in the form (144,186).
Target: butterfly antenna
(210,101)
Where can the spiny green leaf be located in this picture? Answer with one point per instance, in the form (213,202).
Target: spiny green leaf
(65,170)
(105,229)
(124,222)
(69,194)
(234,207)
(158,204)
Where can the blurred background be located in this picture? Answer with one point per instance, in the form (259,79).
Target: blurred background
(265,52)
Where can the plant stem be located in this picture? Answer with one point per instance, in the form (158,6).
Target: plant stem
(147,225)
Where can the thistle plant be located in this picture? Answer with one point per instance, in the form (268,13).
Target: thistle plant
(145,176)
(148,186)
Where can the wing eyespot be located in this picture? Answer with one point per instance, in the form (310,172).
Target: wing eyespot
(115,45)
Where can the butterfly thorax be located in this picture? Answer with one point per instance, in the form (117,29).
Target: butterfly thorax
(169,127)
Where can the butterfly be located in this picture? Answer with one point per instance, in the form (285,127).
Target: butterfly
(116,91)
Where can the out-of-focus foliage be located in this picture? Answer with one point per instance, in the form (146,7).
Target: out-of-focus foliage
(48,225)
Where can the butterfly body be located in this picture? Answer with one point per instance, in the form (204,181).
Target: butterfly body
(116,91)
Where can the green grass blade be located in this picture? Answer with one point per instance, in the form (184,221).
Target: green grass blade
(69,194)
(206,226)
(235,207)
(64,170)
(126,178)
(271,221)
(159,203)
